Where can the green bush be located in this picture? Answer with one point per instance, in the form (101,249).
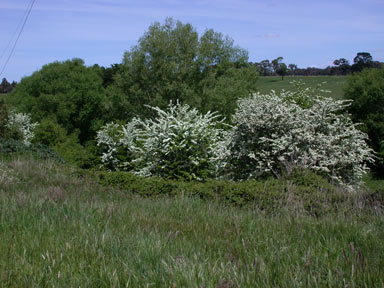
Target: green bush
(11,147)
(83,156)
(303,192)
(3,119)
(49,132)
(68,91)
(366,89)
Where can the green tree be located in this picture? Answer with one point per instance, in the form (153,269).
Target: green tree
(292,69)
(362,60)
(5,86)
(172,62)
(265,67)
(67,91)
(279,67)
(366,89)
(342,65)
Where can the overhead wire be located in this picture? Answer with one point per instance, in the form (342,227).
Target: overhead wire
(23,21)
(16,30)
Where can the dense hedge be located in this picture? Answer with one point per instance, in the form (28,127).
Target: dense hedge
(301,193)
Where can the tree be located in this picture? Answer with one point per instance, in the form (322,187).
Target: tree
(292,68)
(66,91)
(342,65)
(171,62)
(5,86)
(109,74)
(265,67)
(366,89)
(279,67)
(362,60)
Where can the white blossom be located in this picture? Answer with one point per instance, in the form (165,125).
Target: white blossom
(23,124)
(179,142)
(277,133)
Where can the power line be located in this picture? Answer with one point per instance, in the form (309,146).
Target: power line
(25,17)
(15,32)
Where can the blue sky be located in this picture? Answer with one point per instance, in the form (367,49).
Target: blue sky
(304,32)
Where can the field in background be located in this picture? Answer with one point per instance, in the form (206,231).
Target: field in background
(333,83)
(60,228)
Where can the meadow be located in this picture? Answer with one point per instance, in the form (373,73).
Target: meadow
(335,84)
(61,228)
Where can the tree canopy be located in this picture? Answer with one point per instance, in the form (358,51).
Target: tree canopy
(172,62)
(68,92)
(366,89)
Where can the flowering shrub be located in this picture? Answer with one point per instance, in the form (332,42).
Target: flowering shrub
(118,143)
(178,143)
(21,127)
(278,133)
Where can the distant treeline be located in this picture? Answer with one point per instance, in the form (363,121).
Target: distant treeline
(341,67)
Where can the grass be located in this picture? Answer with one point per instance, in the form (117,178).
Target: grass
(334,84)
(59,229)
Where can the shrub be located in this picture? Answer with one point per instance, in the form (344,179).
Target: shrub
(117,143)
(302,193)
(20,127)
(18,147)
(179,143)
(366,89)
(3,119)
(274,134)
(49,132)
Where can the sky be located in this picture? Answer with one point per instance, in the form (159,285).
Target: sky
(308,33)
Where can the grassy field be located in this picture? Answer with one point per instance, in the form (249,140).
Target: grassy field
(333,83)
(60,229)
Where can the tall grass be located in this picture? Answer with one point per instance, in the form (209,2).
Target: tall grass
(59,229)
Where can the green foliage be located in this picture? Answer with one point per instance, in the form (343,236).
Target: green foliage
(4,116)
(49,132)
(366,89)
(6,87)
(302,192)
(361,61)
(171,62)
(72,151)
(67,91)
(11,146)
(279,67)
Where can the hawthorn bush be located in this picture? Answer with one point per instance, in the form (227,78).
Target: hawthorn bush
(19,126)
(277,134)
(272,135)
(180,143)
